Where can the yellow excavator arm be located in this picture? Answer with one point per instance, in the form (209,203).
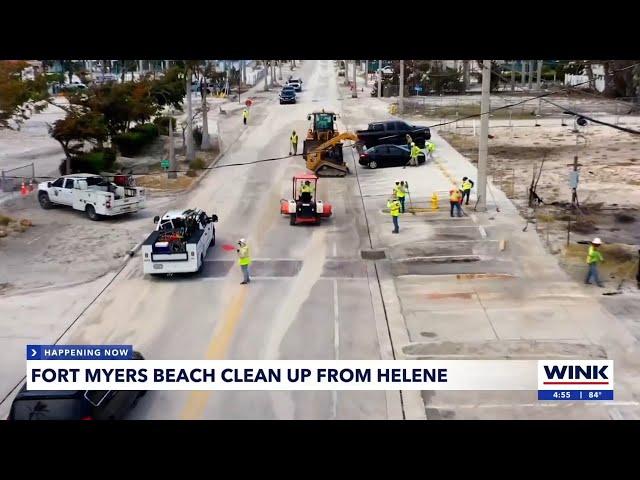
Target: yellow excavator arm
(322,160)
(335,140)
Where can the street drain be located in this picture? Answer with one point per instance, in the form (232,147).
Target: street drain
(442,259)
(373,254)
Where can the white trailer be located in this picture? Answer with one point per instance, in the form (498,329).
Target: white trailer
(180,242)
(92,194)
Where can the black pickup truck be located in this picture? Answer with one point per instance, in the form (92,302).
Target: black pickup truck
(392,132)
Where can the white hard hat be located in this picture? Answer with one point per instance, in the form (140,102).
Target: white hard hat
(597,241)
(242,240)
(413,144)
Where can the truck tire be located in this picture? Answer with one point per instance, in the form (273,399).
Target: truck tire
(91,213)
(201,263)
(213,240)
(292,219)
(43,198)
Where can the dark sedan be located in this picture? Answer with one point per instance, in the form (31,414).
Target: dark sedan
(74,404)
(287,95)
(388,156)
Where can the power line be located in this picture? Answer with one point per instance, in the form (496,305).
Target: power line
(547,94)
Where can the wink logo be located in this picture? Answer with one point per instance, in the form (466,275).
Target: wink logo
(575,374)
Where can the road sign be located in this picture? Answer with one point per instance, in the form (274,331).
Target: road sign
(165,164)
(248,103)
(574,178)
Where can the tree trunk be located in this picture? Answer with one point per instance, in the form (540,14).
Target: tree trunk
(123,70)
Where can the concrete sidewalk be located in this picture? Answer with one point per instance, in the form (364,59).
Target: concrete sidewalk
(459,295)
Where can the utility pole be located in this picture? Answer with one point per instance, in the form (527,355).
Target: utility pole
(465,74)
(530,74)
(401,93)
(172,156)
(484,136)
(539,76)
(191,154)
(266,72)
(354,94)
(346,72)
(379,73)
(524,75)
(206,143)
(279,69)
(513,76)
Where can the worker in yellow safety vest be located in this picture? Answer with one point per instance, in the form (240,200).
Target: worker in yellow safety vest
(245,115)
(429,147)
(293,139)
(399,192)
(394,208)
(306,191)
(467,185)
(455,199)
(594,257)
(244,260)
(415,152)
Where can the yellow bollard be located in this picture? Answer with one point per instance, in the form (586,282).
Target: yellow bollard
(434,201)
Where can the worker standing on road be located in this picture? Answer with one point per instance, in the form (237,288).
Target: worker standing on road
(294,143)
(245,115)
(594,257)
(399,192)
(394,208)
(415,152)
(244,260)
(455,199)
(467,185)
(429,147)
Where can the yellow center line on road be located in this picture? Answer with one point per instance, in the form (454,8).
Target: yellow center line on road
(217,350)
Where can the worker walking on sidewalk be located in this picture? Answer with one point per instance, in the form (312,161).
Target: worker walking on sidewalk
(467,185)
(594,257)
(399,192)
(455,199)
(394,208)
(415,152)
(293,139)
(245,115)
(429,148)
(244,260)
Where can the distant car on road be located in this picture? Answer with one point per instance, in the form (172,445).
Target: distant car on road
(288,95)
(387,156)
(72,87)
(296,83)
(74,404)
(387,70)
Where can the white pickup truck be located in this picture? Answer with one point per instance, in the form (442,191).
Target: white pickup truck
(180,242)
(92,194)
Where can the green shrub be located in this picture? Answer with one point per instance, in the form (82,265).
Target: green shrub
(163,124)
(149,130)
(96,161)
(129,144)
(197,164)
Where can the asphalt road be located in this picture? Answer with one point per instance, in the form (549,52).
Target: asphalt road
(310,296)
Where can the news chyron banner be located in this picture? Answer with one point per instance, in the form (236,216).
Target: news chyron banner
(118,367)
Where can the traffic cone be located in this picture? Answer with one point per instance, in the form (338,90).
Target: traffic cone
(23,189)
